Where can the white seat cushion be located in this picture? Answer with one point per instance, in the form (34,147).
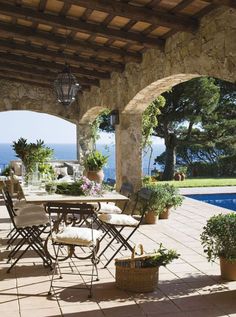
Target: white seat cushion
(77,236)
(118,220)
(19,204)
(30,209)
(109,209)
(29,220)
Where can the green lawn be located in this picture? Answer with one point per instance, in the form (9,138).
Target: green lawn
(202,182)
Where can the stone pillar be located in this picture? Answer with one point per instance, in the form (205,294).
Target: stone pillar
(84,140)
(128,150)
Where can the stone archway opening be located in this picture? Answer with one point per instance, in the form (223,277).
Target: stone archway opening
(131,131)
(57,133)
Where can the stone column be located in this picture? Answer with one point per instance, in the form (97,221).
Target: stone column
(128,150)
(84,140)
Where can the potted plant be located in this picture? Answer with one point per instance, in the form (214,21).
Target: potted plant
(219,241)
(172,200)
(32,155)
(140,273)
(155,205)
(93,164)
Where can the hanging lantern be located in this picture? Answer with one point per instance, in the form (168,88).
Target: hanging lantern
(66,86)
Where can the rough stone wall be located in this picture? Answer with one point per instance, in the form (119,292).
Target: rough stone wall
(20,96)
(211,51)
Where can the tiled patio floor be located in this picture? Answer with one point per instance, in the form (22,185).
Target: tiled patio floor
(188,287)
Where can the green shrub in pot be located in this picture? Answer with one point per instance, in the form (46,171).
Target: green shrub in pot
(163,198)
(173,198)
(219,241)
(95,161)
(93,164)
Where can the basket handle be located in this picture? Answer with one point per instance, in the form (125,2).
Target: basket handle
(140,246)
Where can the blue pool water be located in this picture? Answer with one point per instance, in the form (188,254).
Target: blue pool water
(227,201)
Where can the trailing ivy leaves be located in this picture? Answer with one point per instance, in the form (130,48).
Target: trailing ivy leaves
(219,237)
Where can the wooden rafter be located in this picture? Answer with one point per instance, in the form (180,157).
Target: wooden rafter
(138,13)
(54,67)
(42,74)
(59,57)
(26,81)
(31,78)
(27,33)
(75,25)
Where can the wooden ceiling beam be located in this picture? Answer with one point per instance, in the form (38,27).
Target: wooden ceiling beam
(227,3)
(42,74)
(143,14)
(52,66)
(78,26)
(51,39)
(181,5)
(24,80)
(59,57)
(31,79)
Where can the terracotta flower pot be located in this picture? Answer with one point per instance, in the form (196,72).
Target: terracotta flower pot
(150,217)
(177,177)
(228,270)
(97,176)
(165,214)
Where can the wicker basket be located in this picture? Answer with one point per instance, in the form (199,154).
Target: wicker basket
(132,277)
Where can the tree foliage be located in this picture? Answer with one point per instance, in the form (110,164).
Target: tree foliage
(186,105)
(150,120)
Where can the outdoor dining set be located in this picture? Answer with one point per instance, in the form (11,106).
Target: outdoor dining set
(60,227)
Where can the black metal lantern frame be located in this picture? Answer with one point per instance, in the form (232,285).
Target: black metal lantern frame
(114,117)
(66,86)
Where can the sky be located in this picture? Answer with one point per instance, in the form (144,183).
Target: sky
(33,126)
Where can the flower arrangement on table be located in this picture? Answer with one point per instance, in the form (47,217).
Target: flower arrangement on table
(82,187)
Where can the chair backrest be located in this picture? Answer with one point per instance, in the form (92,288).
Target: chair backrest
(143,197)
(9,204)
(71,214)
(127,189)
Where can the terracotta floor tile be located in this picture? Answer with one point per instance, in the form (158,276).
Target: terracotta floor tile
(43,312)
(189,287)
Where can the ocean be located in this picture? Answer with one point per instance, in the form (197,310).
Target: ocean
(68,152)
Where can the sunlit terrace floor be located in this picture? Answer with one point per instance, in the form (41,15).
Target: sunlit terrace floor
(189,287)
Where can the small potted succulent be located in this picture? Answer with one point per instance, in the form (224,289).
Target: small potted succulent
(219,241)
(93,164)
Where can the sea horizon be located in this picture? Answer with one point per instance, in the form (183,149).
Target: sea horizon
(68,152)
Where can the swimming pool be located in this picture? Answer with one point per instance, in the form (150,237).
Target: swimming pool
(227,201)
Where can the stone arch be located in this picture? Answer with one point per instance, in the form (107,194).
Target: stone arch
(144,97)
(90,115)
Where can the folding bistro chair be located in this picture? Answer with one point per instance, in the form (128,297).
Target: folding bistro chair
(28,227)
(111,208)
(20,207)
(115,223)
(73,228)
